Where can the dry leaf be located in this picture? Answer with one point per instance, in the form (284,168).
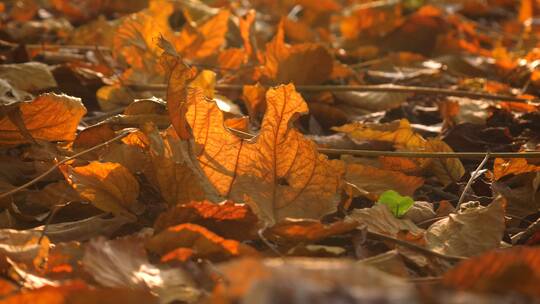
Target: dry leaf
(521,193)
(447,170)
(24,246)
(278,174)
(29,76)
(515,166)
(189,240)
(379,219)
(298,231)
(109,186)
(49,117)
(122,263)
(515,270)
(471,231)
(300,64)
(228,219)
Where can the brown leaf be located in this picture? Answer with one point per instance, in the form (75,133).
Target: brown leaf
(49,117)
(278,174)
(199,242)
(521,193)
(471,231)
(379,219)
(447,170)
(24,246)
(228,219)
(29,76)
(513,270)
(109,186)
(298,231)
(300,64)
(78,292)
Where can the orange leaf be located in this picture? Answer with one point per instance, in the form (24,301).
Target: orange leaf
(253,97)
(203,242)
(49,117)
(511,270)
(227,218)
(515,166)
(247,29)
(307,63)
(309,230)
(279,173)
(204,40)
(109,186)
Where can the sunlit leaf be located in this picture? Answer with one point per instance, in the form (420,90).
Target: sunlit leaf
(49,117)
(109,186)
(202,243)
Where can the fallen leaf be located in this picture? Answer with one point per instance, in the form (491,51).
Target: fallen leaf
(379,219)
(513,270)
(300,64)
(109,186)
(49,117)
(297,231)
(199,241)
(123,263)
(278,174)
(521,193)
(228,219)
(29,76)
(447,170)
(24,246)
(514,166)
(471,231)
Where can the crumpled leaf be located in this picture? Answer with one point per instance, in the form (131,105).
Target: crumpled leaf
(447,170)
(171,170)
(420,212)
(29,76)
(123,263)
(471,231)
(307,63)
(278,174)
(189,240)
(399,205)
(108,186)
(228,219)
(379,219)
(521,193)
(49,117)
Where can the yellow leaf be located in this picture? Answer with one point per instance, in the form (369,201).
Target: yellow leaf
(109,186)
(49,117)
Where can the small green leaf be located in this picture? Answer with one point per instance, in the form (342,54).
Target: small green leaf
(397,203)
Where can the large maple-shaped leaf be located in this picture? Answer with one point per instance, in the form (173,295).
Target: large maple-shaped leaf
(279,173)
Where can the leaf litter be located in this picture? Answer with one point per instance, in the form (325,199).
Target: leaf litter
(157,151)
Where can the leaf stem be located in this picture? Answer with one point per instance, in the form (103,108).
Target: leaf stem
(374,153)
(474,175)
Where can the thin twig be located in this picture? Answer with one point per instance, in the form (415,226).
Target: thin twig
(361,88)
(373,153)
(474,175)
(51,169)
(417,248)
